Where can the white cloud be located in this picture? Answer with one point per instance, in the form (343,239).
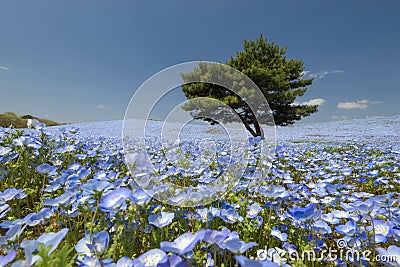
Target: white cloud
(312,102)
(364,101)
(321,74)
(304,73)
(338,71)
(351,105)
(318,75)
(339,117)
(360,104)
(3,68)
(104,106)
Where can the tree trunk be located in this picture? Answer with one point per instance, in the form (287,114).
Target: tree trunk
(258,130)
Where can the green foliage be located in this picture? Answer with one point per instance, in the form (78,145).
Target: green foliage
(280,80)
(60,258)
(8,119)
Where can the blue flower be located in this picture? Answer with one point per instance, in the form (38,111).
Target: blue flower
(92,244)
(5,150)
(46,169)
(321,227)
(230,215)
(161,219)
(330,218)
(303,214)
(124,262)
(115,200)
(340,214)
(4,260)
(60,200)
(183,244)
(92,186)
(205,214)
(246,262)
(153,258)
(253,211)
(350,228)
(176,261)
(235,245)
(275,232)
(214,236)
(393,253)
(381,229)
(141,197)
(12,193)
(51,240)
(88,261)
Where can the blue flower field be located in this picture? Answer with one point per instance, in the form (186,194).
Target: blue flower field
(329,196)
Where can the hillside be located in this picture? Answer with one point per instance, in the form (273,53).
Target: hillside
(10,118)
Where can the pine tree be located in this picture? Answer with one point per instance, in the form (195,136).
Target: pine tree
(280,80)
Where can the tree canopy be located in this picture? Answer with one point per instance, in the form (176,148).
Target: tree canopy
(279,79)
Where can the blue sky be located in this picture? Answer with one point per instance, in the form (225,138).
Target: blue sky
(75,61)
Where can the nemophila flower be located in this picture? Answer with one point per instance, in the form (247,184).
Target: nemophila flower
(290,248)
(28,141)
(183,244)
(347,171)
(52,240)
(5,150)
(275,232)
(12,193)
(153,258)
(330,218)
(47,169)
(390,256)
(60,200)
(246,262)
(276,255)
(204,215)
(257,221)
(341,214)
(321,227)
(14,231)
(9,157)
(4,208)
(92,186)
(161,219)
(363,207)
(215,236)
(210,261)
(230,215)
(141,197)
(4,260)
(88,261)
(49,240)
(235,245)
(115,200)
(125,262)
(381,229)
(176,261)
(33,219)
(350,228)
(93,244)
(303,214)
(253,211)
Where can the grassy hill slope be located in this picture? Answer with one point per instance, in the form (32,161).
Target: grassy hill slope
(10,118)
